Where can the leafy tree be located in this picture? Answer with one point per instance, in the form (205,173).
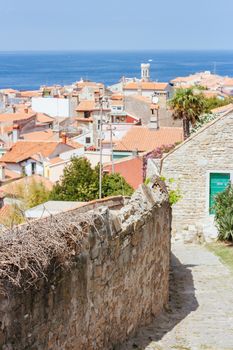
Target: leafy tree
(188,105)
(81,183)
(78,183)
(115,184)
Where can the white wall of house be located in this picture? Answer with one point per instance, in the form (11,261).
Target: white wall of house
(87,93)
(55,107)
(26,166)
(94,157)
(119,130)
(14,167)
(73,153)
(116,88)
(84,139)
(38,167)
(146,93)
(54,171)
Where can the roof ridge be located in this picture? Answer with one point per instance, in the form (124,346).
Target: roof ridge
(206,126)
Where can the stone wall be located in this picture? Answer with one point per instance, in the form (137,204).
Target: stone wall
(118,281)
(190,164)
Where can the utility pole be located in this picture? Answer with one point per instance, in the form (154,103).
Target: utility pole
(101,156)
(103,104)
(111,145)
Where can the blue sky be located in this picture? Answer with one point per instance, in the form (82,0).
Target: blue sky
(116,24)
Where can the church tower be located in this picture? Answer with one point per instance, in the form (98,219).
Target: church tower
(145,71)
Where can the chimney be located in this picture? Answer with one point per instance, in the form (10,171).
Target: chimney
(15,133)
(2,172)
(63,137)
(154,119)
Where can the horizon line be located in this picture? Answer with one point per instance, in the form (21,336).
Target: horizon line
(114,50)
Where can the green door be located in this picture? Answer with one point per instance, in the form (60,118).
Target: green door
(218,183)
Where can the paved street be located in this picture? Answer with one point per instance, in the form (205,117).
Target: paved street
(200,316)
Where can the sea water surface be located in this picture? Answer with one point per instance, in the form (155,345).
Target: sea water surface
(30,70)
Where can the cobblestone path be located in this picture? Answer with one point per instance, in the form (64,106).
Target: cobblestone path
(200,316)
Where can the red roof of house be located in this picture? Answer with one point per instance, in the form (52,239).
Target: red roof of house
(143,139)
(13,117)
(46,135)
(145,86)
(85,120)
(22,150)
(86,105)
(130,168)
(44,118)
(31,93)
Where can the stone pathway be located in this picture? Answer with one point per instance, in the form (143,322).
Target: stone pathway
(200,316)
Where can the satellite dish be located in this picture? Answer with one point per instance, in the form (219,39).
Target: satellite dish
(155,99)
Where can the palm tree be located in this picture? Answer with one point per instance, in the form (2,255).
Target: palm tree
(188,105)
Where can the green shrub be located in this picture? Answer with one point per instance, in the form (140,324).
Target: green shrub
(173,190)
(81,183)
(224,213)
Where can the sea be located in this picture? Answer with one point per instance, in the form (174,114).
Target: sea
(30,70)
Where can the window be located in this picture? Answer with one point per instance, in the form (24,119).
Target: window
(87,114)
(33,168)
(88,140)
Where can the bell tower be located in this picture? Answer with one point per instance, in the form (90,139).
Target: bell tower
(145,71)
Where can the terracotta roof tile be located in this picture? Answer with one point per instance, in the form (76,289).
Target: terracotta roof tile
(29,94)
(143,139)
(46,135)
(130,168)
(145,86)
(22,150)
(74,144)
(142,98)
(117,97)
(81,84)
(12,117)
(116,102)
(12,175)
(9,91)
(56,160)
(86,105)
(44,118)
(84,120)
